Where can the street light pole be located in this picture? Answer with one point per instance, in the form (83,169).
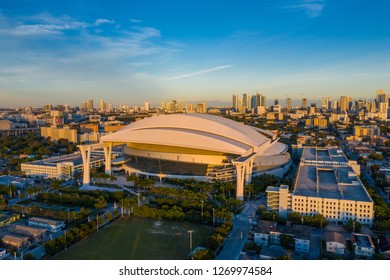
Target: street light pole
(202,211)
(65,239)
(190,232)
(213,219)
(97,222)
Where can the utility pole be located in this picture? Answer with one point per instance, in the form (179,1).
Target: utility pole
(213,219)
(190,232)
(202,211)
(65,239)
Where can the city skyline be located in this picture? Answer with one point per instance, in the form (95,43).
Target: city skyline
(132,52)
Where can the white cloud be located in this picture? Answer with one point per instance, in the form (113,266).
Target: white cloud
(40,24)
(103,21)
(312,8)
(197,73)
(44,29)
(133,20)
(70,58)
(143,33)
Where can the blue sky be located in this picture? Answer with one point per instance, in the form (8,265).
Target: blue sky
(126,52)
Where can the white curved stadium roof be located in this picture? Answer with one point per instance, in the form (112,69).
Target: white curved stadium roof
(196,131)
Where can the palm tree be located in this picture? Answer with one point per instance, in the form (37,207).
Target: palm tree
(248,190)
(3,204)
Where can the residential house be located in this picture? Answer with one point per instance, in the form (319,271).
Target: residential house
(6,220)
(363,245)
(335,243)
(35,233)
(16,241)
(262,232)
(269,233)
(50,225)
(3,253)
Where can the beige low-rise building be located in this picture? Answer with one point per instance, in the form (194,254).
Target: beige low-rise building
(262,232)
(61,167)
(17,241)
(335,243)
(268,232)
(6,220)
(50,225)
(328,184)
(35,233)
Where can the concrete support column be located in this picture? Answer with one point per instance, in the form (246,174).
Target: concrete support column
(240,170)
(86,155)
(107,157)
(248,171)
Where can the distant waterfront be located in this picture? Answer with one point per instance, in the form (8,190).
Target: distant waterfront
(132,238)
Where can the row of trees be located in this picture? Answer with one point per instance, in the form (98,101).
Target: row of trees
(315,220)
(140,182)
(108,196)
(102,176)
(57,214)
(260,183)
(219,235)
(72,199)
(58,244)
(75,234)
(176,212)
(204,254)
(181,194)
(382,211)
(222,191)
(12,147)
(8,190)
(191,184)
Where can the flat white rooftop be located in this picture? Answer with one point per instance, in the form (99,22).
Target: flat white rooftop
(333,182)
(324,154)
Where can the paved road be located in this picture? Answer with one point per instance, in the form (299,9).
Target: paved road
(233,244)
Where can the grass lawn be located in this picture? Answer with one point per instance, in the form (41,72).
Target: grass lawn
(132,238)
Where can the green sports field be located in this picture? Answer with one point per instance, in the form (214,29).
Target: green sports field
(132,238)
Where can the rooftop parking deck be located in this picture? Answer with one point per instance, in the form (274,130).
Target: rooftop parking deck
(330,182)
